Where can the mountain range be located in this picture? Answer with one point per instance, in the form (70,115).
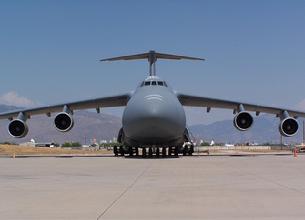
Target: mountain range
(265,129)
(87,126)
(90,125)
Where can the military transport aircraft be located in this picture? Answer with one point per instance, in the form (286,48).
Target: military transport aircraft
(154,118)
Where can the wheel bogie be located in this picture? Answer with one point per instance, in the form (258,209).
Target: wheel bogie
(153,151)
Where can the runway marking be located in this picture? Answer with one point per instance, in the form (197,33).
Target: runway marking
(123,193)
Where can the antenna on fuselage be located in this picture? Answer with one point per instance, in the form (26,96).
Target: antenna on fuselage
(152,58)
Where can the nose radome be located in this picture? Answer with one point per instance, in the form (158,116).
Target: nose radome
(154,106)
(154,118)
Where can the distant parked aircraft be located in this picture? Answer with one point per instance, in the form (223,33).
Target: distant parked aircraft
(43,144)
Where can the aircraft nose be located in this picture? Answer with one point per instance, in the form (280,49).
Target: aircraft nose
(154,119)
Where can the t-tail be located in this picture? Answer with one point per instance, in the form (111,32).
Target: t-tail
(152,57)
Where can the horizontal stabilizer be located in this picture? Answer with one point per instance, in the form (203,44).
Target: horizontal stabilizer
(130,57)
(176,57)
(152,56)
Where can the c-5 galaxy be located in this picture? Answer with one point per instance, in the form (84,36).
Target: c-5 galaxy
(154,118)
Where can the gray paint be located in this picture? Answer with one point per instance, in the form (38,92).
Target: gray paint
(154,114)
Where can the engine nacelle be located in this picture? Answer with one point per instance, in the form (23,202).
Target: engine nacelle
(64,122)
(18,128)
(289,127)
(243,121)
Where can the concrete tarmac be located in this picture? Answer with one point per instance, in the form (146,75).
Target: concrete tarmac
(202,187)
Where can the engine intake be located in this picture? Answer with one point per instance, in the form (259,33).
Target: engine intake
(289,127)
(63,122)
(18,128)
(243,121)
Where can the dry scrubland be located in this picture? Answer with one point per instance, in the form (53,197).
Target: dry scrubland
(27,150)
(15,150)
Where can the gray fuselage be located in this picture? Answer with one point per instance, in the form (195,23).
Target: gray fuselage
(154,116)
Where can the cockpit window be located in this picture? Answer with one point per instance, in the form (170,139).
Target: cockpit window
(153,83)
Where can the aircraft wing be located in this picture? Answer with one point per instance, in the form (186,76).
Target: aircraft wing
(197,101)
(113,101)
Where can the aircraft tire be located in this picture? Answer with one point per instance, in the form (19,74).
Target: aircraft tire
(143,152)
(157,152)
(115,151)
(176,152)
(185,150)
(130,149)
(163,151)
(121,151)
(150,152)
(191,150)
(170,149)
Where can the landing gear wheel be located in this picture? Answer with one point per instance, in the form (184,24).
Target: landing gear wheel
(170,149)
(163,151)
(185,150)
(130,149)
(137,151)
(121,150)
(176,152)
(150,152)
(143,152)
(157,152)
(115,151)
(191,150)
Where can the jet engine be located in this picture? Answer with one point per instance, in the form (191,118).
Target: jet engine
(289,127)
(64,122)
(18,128)
(243,121)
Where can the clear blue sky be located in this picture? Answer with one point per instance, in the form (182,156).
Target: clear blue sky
(255,50)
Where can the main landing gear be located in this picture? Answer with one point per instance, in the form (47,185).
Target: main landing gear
(153,152)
